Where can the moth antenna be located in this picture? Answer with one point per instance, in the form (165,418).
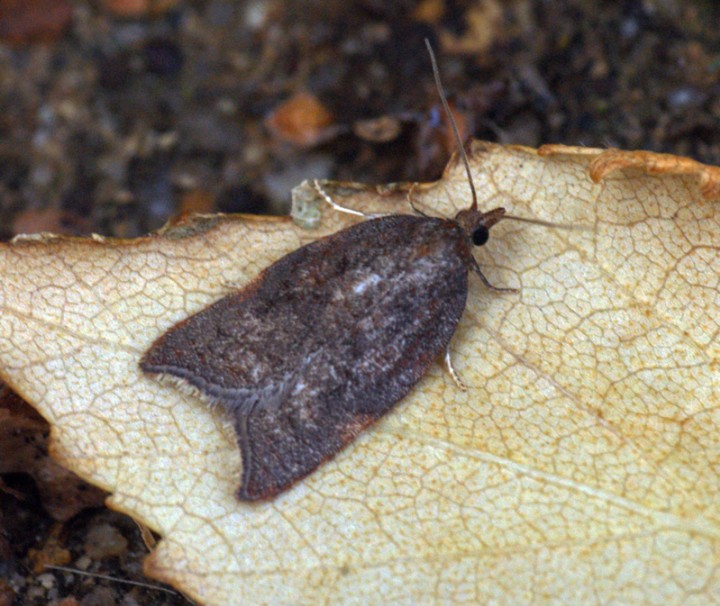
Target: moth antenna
(451,369)
(456,132)
(486,282)
(344,209)
(466,163)
(567,226)
(412,203)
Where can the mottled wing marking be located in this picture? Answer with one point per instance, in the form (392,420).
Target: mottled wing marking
(323,342)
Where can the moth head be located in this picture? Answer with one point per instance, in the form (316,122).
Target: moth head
(476,224)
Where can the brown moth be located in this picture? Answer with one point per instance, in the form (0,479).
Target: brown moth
(327,339)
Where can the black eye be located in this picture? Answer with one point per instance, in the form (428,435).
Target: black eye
(480,235)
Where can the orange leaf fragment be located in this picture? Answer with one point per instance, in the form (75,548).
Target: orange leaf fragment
(301,120)
(52,553)
(613,160)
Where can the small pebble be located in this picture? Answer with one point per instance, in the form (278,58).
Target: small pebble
(47,580)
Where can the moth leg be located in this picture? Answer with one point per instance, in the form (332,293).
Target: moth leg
(451,369)
(486,282)
(412,204)
(345,209)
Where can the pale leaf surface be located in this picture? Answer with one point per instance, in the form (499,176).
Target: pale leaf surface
(582,465)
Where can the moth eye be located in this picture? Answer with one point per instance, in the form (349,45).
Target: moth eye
(480,235)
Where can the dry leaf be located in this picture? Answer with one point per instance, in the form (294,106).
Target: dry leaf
(582,465)
(23,449)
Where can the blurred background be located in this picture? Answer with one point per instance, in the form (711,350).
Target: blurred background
(116,115)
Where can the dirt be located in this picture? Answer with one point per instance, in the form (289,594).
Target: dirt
(124,114)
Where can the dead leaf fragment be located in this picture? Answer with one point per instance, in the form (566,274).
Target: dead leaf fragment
(436,140)
(7,595)
(606,162)
(580,466)
(52,553)
(23,449)
(479,28)
(482,19)
(301,120)
(138,8)
(103,541)
(26,21)
(378,130)
(49,220)
(197,201)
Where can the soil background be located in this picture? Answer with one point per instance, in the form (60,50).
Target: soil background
(116,115)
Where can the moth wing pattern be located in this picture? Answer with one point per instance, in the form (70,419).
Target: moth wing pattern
(323,342)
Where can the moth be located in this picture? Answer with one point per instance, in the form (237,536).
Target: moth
(329,338)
